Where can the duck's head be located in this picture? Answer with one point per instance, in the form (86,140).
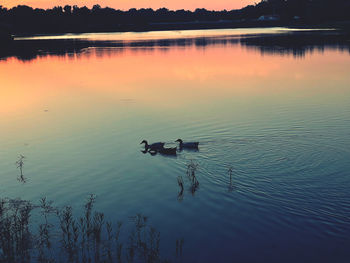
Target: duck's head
(179,140)
(144,141)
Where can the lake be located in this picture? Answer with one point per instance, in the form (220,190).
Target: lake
(270,109)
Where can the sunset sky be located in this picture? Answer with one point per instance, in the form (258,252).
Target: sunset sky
(127,4)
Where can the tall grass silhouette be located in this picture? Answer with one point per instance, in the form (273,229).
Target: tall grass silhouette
(180,182)
(20,164)
(230,186)
(191,174)
(57,235)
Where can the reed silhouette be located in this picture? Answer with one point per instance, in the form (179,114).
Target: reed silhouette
(63,237)
(191,174)
(181,185)
(179,247)
(16,239)
(230,186)
(20,164)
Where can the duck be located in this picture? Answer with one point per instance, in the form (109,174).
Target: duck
(167,151)
(188,145)
(153,146)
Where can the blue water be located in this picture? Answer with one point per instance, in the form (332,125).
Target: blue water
(285,137)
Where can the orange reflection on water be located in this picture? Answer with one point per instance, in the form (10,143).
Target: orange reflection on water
(168,77)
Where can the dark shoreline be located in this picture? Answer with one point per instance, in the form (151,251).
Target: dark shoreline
(25,20)
(343,26)
(195,25)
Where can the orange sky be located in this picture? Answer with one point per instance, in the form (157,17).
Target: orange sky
(126,4)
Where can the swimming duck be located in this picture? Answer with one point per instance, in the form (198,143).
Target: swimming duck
(153,146)
(188,145)
(167,151)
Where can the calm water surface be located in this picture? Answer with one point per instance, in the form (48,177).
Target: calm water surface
(280,120)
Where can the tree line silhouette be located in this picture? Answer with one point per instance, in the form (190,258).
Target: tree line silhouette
(26,20)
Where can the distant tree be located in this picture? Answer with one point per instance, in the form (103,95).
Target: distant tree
(96,7)
(57,10)
(67,9)
(75,9)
